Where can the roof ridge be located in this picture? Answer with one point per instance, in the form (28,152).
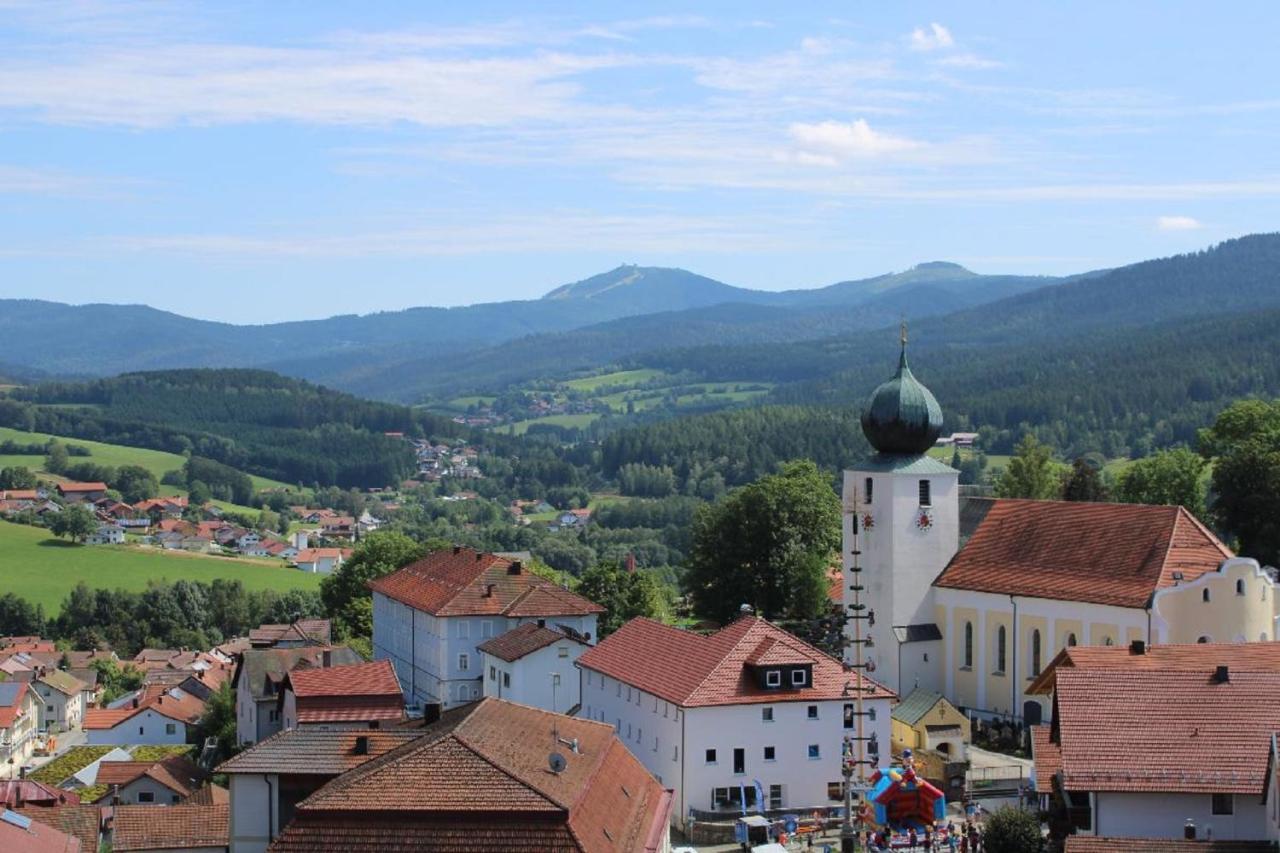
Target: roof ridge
(464,741)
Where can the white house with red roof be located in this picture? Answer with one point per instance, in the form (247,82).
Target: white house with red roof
(972,598)
(321,561)
(359,696)
(19,725)
(748,716)
(534,666)
(159,716)
(430,616)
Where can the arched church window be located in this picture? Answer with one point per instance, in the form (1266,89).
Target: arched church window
(1071,638)
(1204,638)
(1204,596)
(1108,642)
(968,644)
(1240,586)
(1000,649)
(1035,652)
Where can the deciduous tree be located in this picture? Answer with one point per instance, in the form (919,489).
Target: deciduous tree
(1244,442)
(1167,478)
(346,597)
(1031,472)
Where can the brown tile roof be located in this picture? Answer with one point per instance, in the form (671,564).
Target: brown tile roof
(692,670)
(82,487)
(1096,844)
(83,822)
(1046,756)
(263,666)
(303,630)
(318,752)
(522,640)
(171,702)
(106,718)
(487,768)
(463,582)
(1253,657)
(170,827)
(363,691)
(21,792)
(1166,730)
(209,795)
(39,837)
(176,773)
(1117,554)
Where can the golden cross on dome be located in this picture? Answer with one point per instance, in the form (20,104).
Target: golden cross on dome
(903,336)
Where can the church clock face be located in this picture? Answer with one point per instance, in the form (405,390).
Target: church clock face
(924,520)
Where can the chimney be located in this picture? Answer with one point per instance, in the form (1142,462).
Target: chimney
(326,658)
(1137,647)
(362,745)
(488,590)
(1221,675)
(515,568)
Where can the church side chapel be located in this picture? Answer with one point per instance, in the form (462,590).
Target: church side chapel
(972,597)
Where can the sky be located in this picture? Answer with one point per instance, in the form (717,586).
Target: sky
(256,163)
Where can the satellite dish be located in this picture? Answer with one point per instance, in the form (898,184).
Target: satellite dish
(557,762)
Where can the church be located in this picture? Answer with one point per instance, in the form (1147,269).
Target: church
(973,596)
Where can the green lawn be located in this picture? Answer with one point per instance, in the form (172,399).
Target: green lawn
(521,427)
(620,377)
(43,569)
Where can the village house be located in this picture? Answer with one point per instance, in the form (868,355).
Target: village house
(750,717)
(23,834)
(152,783)
(303,632)
(1146,741)
(533,665)
(492,776)
(153,717)
(925,720)
(357,696)
(75,493)
(321,561)
(259,676)
(106,534)
(176,829)
(430,616)
(161,508)
(19,721)
(61,700)
(270,778)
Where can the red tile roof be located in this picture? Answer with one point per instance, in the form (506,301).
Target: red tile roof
(479,781)
(316,752)
(82,487)
(39,837)
(303,630)
(1097,844)
(1046,756)
(692,670)
(1117,554)
(171,702)
(83,822)
(1254,657)
(523,640)
(10,713)
(176,773)
(21,792)
(1135,728)
(364,691)
(463,582)
(170,827)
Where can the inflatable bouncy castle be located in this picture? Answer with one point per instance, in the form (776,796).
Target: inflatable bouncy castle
(903,800)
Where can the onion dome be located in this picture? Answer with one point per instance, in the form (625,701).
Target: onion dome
(902,417)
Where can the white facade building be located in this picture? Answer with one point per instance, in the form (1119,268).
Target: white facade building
(533,666)
(62,701)
(750,715)
(147,726)
(430,617)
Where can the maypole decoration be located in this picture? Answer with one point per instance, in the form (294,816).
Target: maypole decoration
(860,750)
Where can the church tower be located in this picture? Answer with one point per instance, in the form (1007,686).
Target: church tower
(902,516)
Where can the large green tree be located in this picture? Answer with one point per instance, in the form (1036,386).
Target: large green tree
(345,593)
(1244,442)
(767,545)
(1083,483)
(75,522)
(624,595)
(1010,830)
(1031,472)
(135,483)
(17,477)
(1168,478)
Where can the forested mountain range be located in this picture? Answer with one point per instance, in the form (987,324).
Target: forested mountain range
(423,347)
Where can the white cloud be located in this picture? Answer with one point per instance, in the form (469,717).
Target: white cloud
(20,180)
(969,61)
(828,142)
(933,37)
(1177,223)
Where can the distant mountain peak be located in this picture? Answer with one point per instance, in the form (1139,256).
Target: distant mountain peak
(942,267)
(649,289)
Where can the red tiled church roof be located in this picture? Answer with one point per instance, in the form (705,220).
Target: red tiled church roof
(463,582)
(1117,554)
(691,669)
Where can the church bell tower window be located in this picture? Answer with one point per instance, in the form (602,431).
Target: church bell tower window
(926,498)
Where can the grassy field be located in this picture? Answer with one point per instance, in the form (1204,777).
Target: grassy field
(156,461)
(620,377)
(43,569)
(521,427)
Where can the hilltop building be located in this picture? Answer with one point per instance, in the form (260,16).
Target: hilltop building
(972,597)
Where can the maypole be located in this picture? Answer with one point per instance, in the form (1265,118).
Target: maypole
(855,745)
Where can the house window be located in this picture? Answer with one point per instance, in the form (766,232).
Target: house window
(148,797)
(464,630)
(639,734)
(1035,652)
(739,761)
(175,798)
(486,628)
(1223,804)
(493,674)
(775,796)
(506,679)
(770,754)
(1240,587)
(464,662)
(1000,650)
(171,728)
(926,499)
(848,716)
(1204,638)
(968,645)
(555,679)
(815,751)
(675,752)
(1204,595)
(867,490)
(813,712)
(711,756)
(141,730)
(766,715)
(562,651)
(799,678)
(655,743)
(773,678)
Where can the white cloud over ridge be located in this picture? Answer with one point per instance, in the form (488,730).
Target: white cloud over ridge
(1178,223)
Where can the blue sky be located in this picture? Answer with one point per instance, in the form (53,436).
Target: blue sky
(264,162)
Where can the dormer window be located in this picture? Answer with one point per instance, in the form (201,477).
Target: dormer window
(773,678)
(799,678)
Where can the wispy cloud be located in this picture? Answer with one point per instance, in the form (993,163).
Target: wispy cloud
(20,180)
(933,37)
(969,61)
(1177,223)
(829,142)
